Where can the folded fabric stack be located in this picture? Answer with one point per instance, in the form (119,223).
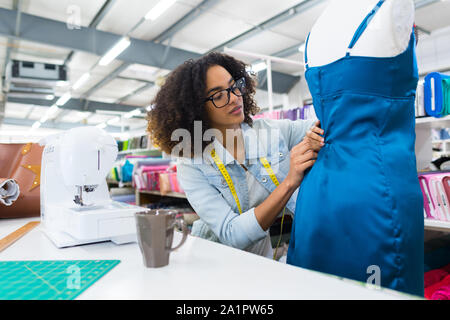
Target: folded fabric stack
(139,142)
(156,175)
(436,194)
(123,168)
(305,112)
(168,182)
(437,284)
(436,96)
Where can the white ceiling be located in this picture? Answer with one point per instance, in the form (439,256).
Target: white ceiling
(213,27)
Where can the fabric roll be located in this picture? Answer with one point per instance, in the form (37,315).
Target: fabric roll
(446,95)
(420,106)
(442,294)
(9,191)
(437,286)
(434,276)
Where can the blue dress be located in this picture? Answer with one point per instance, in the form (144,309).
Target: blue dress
(359,208)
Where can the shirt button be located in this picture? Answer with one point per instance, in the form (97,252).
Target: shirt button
(224,183)
(264,180)
(281,154)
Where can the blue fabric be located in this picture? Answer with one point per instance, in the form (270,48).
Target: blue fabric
(440,109)
(127,171)
(360,204)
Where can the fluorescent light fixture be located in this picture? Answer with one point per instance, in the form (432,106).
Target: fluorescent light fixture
(44,118)
(63,99)
(133,113)
(22,133)
(61,83)
(258,67)
(81,81)
(113,120)
(301,48)
(117,49)
(101,125)
(52,110)
(159,9)
(36,125)
(49,97)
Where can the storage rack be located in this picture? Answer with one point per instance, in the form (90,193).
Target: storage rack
(424,155)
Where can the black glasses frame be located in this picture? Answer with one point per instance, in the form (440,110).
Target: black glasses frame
(238,84)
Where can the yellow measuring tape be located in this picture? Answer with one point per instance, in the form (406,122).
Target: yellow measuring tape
(227,178)
(230,184)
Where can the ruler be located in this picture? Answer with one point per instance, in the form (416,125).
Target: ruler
(16,235)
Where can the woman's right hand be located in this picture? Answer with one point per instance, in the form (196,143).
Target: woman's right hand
(304,155)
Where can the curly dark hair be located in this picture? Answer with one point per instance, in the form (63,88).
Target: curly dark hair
(181,100)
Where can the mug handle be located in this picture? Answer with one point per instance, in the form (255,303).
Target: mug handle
(181,224)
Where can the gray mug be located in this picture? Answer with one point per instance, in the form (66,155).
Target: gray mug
(155,235)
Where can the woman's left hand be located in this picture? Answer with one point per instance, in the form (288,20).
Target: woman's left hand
(315,136)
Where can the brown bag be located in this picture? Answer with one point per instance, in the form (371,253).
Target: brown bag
(22,163)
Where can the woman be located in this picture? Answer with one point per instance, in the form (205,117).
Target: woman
(238,174)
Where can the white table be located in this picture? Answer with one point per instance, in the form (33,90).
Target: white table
(200,269)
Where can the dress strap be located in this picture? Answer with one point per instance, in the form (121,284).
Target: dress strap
(306,50)
(362,27)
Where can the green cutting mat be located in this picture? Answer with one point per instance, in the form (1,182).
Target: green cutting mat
(50,280)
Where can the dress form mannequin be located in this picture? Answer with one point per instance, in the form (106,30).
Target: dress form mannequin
(360,207)
(386,36)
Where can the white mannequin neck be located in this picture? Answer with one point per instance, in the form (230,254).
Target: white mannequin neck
(387,34)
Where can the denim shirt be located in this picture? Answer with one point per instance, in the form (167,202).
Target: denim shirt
(209,194)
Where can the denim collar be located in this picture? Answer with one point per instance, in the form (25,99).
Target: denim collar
(254,147)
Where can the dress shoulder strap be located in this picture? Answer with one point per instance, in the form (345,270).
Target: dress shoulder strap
(306,51)
(363,26)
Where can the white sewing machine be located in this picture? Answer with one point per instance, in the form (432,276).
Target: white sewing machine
(75,204)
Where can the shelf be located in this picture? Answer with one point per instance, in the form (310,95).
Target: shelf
(432,122)
(158,193)
(437,225)
(119,183)
(441,141)
(151,151)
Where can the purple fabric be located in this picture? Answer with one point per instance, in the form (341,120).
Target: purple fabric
(290,114)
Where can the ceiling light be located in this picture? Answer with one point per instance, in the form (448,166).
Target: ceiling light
(61,83)
(52,110)
(44,118)
(36,125)
(117,49)
(301,48)
(81,81)
(159,9)
(258,67)
(133,113)
(21,133)
(101,125)
(113,120)
(63,99)
(49,97)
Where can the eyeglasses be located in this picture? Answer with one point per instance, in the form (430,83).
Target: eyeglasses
(221,98)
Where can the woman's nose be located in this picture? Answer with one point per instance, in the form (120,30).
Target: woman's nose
(233,98)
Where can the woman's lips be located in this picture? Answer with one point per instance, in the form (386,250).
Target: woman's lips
(236,110)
